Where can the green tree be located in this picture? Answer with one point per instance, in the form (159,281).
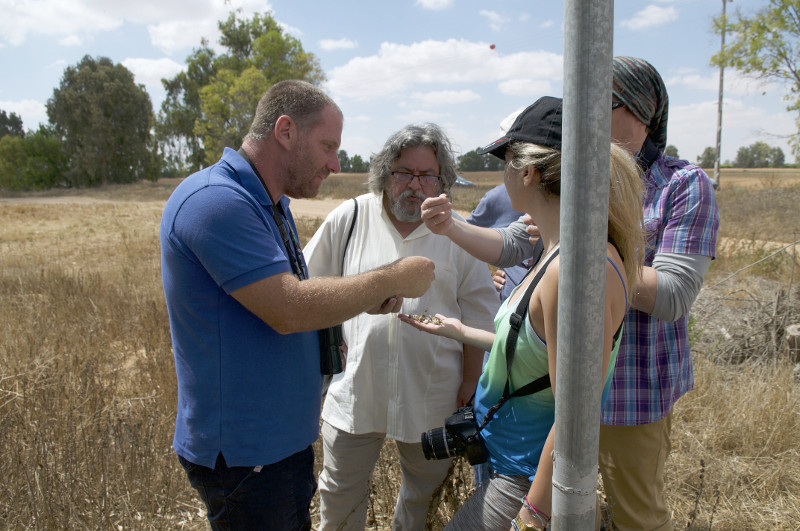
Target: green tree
(759,155)
(493,163)
(778,158)
(470,161)
(227,104)
(103,119)
(708,158)
(180,149)
(344,161)
(766,45)
(33,162)
(671,151)
(211,103)
(10,124)
(358,165)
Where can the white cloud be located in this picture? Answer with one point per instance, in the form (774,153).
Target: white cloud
(693,127)
(434,5)
(547,24)
(71,40)
(291,30)
(399,68)
(149,72)
(526,87)
(175,35)
(495,19)
(736,84)
(173,25)
(445,97)
(338,44)
(651,16)
(32,112)
(51,17)
(419,115)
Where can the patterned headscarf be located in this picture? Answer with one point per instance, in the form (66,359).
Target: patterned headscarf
(639,86)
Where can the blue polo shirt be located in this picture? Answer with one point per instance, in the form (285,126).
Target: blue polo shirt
(243,389)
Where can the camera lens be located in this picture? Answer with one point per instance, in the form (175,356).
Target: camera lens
(438,444)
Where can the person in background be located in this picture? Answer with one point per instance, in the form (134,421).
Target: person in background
(517,423)
(654,366)
(397,382)
(244,315)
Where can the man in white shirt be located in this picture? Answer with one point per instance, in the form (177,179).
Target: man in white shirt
(398,383)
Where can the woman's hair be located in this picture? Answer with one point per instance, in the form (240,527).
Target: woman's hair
(625,221)
(424,134)
(545,159)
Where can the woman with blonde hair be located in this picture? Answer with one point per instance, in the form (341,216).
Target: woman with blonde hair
(515,400)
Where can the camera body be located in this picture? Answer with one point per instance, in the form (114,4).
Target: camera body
(459,436)
(330,360)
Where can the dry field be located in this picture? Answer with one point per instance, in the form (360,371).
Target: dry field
(87,385)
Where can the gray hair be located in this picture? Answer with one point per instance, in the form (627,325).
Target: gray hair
(425,134)
(297,99)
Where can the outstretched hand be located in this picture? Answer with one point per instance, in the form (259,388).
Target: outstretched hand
(438,326)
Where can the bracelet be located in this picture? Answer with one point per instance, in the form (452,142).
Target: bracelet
(533,509)
(540,515)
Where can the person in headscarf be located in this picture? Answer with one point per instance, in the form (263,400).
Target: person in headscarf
(654,366)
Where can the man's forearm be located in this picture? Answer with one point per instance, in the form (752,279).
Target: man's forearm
(289,305)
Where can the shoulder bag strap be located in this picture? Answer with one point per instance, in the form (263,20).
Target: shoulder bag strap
(516,319)
(350,232)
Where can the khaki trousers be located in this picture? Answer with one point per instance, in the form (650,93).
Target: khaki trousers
(632,462)
(348,462)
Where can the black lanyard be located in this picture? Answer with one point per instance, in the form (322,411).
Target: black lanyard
(290,243)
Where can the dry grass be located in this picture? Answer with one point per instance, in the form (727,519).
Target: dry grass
(87,385)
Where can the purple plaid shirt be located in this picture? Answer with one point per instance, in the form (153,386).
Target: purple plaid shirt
(654,367)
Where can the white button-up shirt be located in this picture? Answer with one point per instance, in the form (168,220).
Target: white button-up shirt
(398,380)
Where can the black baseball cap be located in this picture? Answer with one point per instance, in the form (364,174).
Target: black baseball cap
(539,124)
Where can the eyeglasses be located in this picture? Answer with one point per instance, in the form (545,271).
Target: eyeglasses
(428,181)
(616,105)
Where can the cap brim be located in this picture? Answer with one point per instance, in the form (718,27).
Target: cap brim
(496,148)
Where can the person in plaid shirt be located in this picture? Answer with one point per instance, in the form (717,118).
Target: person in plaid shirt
(654,366)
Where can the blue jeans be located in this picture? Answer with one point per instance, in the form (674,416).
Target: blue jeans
(271,497)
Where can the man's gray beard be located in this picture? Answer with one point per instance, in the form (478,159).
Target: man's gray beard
(401,213)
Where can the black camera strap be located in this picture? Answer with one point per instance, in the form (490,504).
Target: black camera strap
(516,320)
(290,241)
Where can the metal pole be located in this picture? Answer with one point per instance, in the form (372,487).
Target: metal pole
(719,104)
(584,221)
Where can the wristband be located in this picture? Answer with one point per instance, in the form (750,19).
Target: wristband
(540,515)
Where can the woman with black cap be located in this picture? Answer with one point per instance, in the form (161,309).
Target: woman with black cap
(654,367)
(514,402)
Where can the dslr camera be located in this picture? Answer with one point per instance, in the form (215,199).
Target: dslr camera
(459,436)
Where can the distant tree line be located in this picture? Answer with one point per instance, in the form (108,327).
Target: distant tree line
(469,161)
(756,155)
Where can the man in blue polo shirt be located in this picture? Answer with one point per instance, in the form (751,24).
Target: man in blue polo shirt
(244,315)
